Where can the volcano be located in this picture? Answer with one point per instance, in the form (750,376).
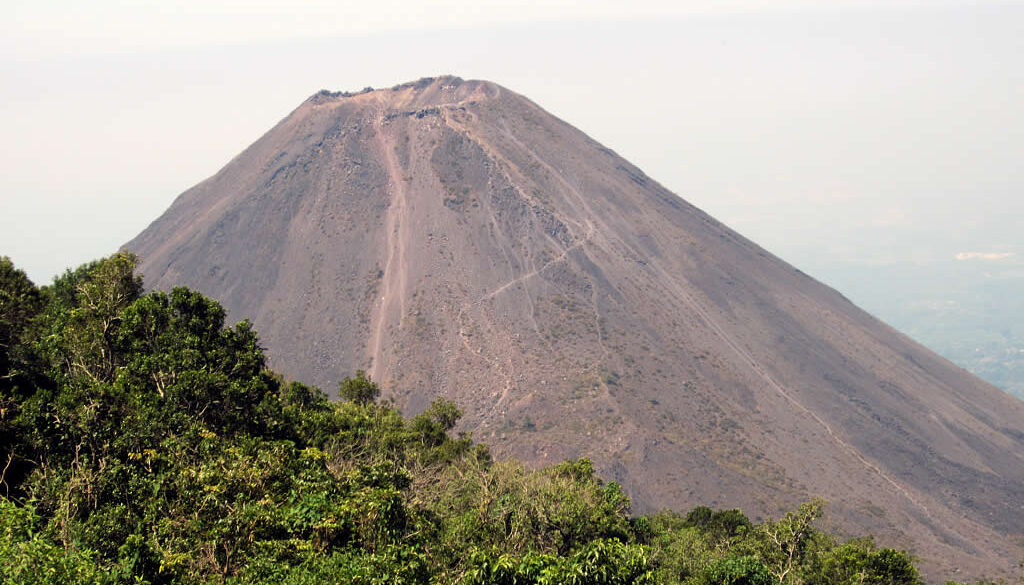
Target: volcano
(454,239)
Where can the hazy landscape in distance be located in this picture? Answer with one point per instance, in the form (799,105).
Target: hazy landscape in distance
(970,312)
(965,304)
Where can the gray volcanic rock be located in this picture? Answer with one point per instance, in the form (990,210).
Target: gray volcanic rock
(454,239)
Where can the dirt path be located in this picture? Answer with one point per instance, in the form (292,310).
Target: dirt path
(393,281)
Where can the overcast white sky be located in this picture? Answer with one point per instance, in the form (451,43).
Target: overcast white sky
(831,132)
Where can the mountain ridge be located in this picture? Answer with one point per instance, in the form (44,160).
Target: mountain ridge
(454,239)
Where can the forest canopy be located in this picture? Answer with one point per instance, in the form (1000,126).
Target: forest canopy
(144,440)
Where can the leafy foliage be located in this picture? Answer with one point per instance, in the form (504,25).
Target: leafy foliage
(32,558)
(359,389)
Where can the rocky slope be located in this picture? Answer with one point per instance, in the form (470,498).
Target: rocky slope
(454,239)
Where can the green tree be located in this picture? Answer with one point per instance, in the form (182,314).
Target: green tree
(781,544)
(860,562)
(29,557)
(359,389)
(20,303)
(84,314)
(719,525)
(742,570)
(177,352)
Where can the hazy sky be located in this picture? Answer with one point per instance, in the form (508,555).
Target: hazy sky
(830,132)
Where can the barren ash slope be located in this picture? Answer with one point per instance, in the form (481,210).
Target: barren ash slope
(454,239)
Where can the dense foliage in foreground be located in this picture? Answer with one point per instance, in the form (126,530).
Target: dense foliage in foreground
(142,441)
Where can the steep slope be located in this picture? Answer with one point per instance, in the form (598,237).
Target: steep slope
(454,239)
